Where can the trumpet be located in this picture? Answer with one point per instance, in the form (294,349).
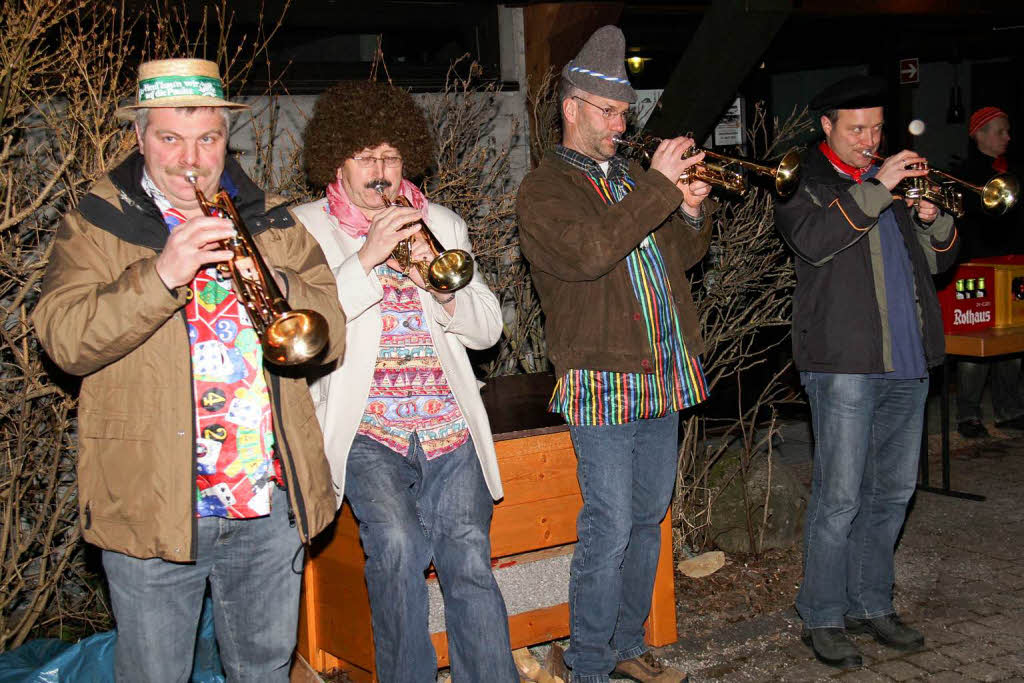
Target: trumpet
(448,270)
(998,195)
(288,337)
(785,173)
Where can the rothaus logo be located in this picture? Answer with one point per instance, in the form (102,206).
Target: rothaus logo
(971,317)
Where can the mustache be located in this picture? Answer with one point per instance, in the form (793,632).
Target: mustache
(378,182)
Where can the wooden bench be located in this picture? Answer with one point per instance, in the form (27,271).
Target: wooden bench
(542,499)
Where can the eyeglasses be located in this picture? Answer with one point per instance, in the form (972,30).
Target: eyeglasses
(367,162)
(607,112)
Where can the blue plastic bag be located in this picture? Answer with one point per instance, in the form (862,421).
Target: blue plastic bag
(91,660)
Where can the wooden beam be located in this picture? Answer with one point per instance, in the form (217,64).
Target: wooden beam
(729,42)
(556,31)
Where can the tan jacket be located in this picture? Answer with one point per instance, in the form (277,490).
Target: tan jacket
(105,314)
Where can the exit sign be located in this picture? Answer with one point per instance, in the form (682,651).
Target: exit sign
(909,71)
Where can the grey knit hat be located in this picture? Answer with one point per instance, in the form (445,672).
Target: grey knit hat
(600,67)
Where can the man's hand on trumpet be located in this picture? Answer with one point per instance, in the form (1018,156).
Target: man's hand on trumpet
(193,245)
(387,229)
(895,168)
(668,159)
(926,211)
(694,192)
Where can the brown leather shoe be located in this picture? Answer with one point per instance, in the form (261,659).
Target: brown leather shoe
(649,669)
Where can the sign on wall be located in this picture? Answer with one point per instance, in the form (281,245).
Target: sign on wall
(909,71)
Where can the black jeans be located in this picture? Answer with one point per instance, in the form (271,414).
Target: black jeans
(1007,401)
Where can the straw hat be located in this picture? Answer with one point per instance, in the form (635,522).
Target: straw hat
(178,83)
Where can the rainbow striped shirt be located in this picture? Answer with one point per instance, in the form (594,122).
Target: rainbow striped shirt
(598,397)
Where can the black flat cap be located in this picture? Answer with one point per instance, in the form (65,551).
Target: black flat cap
(855,92)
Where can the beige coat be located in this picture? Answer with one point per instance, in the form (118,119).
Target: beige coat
(105,314)
(340,396)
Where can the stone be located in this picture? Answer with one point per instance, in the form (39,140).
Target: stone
(786,504)
(983,671)
(898,670)
(702,565)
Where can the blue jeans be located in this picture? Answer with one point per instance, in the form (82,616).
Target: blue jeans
(867,441)
(412,510)
(627,474)
(254,567)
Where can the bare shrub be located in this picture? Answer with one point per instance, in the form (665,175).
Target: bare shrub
(744,299)
(62,75)
(473,179)
(64,68)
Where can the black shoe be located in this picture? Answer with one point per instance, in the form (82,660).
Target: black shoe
(973,429)
(832,647)
(888,630)
(1016,423)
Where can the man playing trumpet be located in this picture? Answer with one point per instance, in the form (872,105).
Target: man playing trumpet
(197,462)
(609,245)
(405,427)
(866,328)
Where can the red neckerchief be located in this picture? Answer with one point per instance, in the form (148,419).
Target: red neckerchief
(1000,164)
(844,167)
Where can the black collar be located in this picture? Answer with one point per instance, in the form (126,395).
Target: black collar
(139,221)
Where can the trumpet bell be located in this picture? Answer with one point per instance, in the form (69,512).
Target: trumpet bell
(1000,194)
(295,337)
(787,174)
(451,270)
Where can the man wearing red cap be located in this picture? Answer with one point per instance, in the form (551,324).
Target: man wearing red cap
(866,328)
(987,235)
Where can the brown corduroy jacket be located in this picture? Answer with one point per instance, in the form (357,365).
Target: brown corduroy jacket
(577,247)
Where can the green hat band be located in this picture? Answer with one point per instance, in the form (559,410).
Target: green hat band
(179,86)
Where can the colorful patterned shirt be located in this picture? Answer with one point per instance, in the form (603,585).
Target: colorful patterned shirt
(409,394)
(597,397)
(234,430)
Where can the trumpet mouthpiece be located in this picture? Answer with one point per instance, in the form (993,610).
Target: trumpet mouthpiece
(192,176)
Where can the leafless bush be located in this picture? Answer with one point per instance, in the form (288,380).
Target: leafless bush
(62,75)
(473,179)
(64,68)
(744,301)
(545,115)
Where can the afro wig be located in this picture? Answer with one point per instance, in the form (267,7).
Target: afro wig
(354,115)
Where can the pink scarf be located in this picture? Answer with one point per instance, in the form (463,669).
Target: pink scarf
(352,219)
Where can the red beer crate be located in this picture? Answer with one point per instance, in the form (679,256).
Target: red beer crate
(1007,285)
(967,301)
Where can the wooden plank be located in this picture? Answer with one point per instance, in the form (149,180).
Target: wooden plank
(527,628)
(537,468)
(308,641)
(661,622)
(986,343)
(532,526)
(539,625)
